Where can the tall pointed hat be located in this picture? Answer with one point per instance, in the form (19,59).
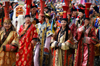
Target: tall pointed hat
(87,7)
(65,9)
(28,5)
(6,5)
(42,2)
(67,2)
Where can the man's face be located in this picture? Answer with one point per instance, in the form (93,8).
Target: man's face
(74,13)
(19,10)
(33,10)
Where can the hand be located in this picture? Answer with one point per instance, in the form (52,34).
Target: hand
(59,45)
(26,25)
(56,45)
(77,19)
(33,42)
(85,24)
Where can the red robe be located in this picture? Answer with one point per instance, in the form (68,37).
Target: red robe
(25,55)
(85,52)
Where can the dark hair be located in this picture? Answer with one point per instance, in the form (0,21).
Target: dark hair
(70,15)
(12,4)
(27,16)
(64,19)
(1,4)
(88,19)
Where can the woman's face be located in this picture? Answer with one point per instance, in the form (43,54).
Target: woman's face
(27,20)
(63,23)
(81,14)
(74,13)
(87,22)
(7,25)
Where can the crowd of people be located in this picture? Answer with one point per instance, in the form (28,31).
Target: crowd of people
(47,33)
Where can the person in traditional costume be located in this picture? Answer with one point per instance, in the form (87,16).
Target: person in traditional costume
(15,3)
(8,40)
(86,38)
(27,34)
(34,14)
(18,16)
(47,19)
(80,19)
(44,33)
(63,45)
(72,25)
(97,46)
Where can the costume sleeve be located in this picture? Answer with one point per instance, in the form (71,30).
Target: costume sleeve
(54,44)
(47,42)
(49,32)
(15,42)
(79,33)
(14,45)
(55,34)
(73,29)
(69,43)
(92,39)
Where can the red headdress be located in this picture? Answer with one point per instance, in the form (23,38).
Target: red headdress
(65,9)
(28,5)
(42,7)
(6,5)
(67,2)
(87,7)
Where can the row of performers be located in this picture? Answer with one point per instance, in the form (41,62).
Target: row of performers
(37,45)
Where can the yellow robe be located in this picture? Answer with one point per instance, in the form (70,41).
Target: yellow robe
(8,58)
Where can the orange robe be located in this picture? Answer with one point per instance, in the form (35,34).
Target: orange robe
(8,58)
